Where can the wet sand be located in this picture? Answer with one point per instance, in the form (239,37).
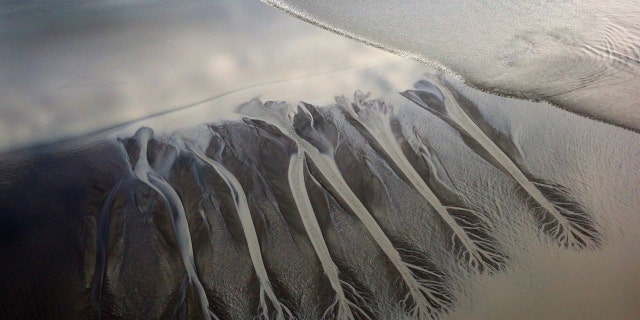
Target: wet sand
(379,208)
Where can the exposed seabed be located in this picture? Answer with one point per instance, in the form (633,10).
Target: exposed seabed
(439,202)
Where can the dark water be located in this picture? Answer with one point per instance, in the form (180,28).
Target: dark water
(282,189)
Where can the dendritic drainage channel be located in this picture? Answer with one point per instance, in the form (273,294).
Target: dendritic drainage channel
(347,211)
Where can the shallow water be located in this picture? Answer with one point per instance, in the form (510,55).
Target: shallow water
(284,190)
(73,68)
(582,56)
